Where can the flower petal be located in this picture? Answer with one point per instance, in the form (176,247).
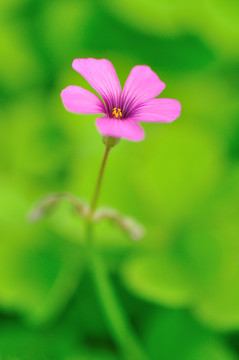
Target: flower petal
(101,75)
(158,110)
(125,128)
(142,84)
(81,101)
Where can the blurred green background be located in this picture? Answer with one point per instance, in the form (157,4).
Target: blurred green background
(179,285)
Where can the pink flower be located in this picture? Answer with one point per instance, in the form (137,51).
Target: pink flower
(122,110)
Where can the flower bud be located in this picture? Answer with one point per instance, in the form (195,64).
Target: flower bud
(110,141)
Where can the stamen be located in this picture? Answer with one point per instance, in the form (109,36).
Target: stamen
(117,113)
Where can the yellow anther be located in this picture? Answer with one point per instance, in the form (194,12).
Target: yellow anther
(117,113)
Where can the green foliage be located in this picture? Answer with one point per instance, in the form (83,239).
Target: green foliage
(179,285)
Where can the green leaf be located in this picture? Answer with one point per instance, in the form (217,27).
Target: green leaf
(175,335)
(218,304)
(157,278)
(38,278)
(22,343)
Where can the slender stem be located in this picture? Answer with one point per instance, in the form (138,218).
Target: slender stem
(115,316)
(99,181)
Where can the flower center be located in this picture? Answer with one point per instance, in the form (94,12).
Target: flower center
(117,113)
